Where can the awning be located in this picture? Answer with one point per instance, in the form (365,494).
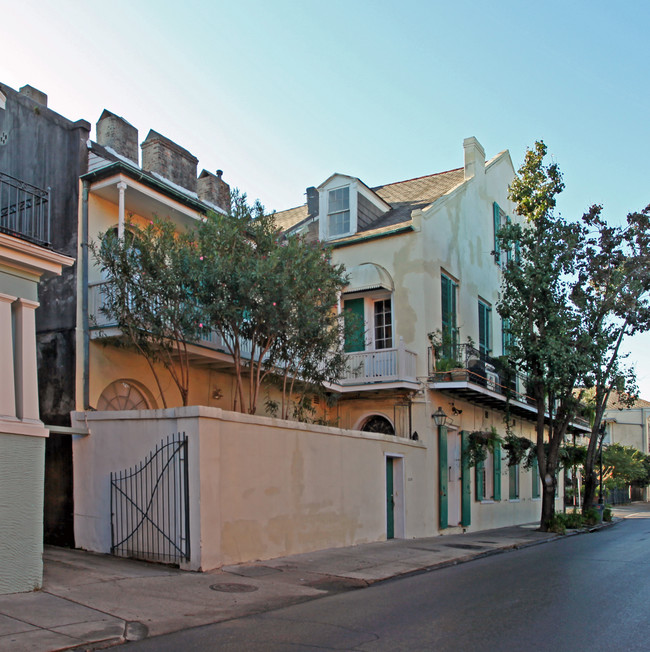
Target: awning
(368,276)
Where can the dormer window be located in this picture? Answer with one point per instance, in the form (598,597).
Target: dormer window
(338,211)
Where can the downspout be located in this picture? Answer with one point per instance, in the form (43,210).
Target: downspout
(85,321)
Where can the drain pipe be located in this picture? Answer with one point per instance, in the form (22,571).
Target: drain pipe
(85,321)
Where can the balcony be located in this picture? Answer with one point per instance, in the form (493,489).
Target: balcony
(482,380)
(24,210)
(396,365)
(390,366)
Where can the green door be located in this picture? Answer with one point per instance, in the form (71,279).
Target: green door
(390,500)
(443,476)
(466,481)
(355,327)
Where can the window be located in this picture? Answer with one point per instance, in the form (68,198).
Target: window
(535,479)
(513,478)
(484,327)
(338,211)
(501,256)
(449,325)
(383,324)
(485,478)
(506,336)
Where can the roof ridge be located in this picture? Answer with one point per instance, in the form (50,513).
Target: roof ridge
(424,176)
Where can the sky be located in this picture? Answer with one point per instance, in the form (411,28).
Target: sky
(281,94)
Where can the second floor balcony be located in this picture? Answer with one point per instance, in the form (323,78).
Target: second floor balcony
(478,378)
(391,367)
(24,210)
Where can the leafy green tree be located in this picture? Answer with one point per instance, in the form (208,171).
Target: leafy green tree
(613,296)
(625,465)
(148,296)
(549,343)
(271,299)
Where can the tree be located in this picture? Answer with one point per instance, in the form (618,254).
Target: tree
(549,343)
(148,296)
(624,465)
(613,295)
(271,299)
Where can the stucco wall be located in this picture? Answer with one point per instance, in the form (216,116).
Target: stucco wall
(259,487)
(21,512)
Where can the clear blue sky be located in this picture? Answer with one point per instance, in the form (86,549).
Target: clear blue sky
(281,94)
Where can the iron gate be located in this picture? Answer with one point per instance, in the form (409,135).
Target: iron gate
(150,505)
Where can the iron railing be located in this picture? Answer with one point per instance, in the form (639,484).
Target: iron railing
(150,515)
(24,210)
(478,368)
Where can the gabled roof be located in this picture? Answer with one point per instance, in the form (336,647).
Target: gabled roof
(403,197)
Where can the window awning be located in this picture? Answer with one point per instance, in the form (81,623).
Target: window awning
(368,276)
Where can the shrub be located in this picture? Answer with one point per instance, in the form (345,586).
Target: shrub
(607,514)
(573,520)
(591,516)
(557,524)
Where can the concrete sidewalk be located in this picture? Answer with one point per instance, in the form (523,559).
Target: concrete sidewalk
(93,601)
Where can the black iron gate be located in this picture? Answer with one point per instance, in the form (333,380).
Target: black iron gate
(150,505)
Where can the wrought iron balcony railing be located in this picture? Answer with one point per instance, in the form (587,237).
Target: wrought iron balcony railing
(24,210)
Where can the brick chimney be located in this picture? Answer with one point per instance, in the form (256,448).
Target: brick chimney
(118,134)
(33,94)
(169,160)
(312,202)
(213,189)
(474,158)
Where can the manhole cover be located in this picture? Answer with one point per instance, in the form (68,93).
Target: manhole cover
(233,588)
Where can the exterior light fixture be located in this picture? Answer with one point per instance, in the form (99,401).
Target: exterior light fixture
(439,417)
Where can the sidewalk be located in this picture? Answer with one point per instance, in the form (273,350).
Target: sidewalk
(94,601)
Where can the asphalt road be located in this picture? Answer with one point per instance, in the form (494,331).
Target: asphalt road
(588,592)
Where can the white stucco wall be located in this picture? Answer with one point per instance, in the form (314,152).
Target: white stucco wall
(22,460)
(259,487)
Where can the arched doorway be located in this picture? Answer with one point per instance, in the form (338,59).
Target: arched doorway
(125,395)
(378,424)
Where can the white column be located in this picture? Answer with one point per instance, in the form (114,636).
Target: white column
(25,362)
(7,386)
(121,187)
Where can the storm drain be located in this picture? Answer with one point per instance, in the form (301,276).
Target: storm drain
(464,546)
(233,587)
(254,571)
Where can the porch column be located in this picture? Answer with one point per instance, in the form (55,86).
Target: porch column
(121,187)
(25,361)
(8,393)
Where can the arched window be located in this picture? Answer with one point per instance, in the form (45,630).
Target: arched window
(125,395)
(379,424)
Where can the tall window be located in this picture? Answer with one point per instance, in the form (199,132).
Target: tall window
(501,256)
(485,478)
(338,211)
(449,324)
(506,336)
(383,324)
(513,477)
(484,327)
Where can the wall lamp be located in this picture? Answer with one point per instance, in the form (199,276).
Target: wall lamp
(439,417)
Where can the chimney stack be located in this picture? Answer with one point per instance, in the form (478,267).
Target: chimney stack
(118,134)
(169,160)
(213,189)
(474,158)
(312,201)
(34,94)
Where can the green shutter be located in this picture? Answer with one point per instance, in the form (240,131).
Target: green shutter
(497,472)
(535,470)
(442,478)
(497,226)
(355,338)
(480,473)
(466,481)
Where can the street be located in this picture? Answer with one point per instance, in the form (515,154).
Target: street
(588,592)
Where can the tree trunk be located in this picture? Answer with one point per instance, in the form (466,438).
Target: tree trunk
(548,502)
(591,480)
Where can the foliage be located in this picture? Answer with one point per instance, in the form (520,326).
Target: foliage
(479,443)
(517,448)
(147,295)
(591,516)
(607,514)
(555,524)
(624,465)
(571,293)
(272,301)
